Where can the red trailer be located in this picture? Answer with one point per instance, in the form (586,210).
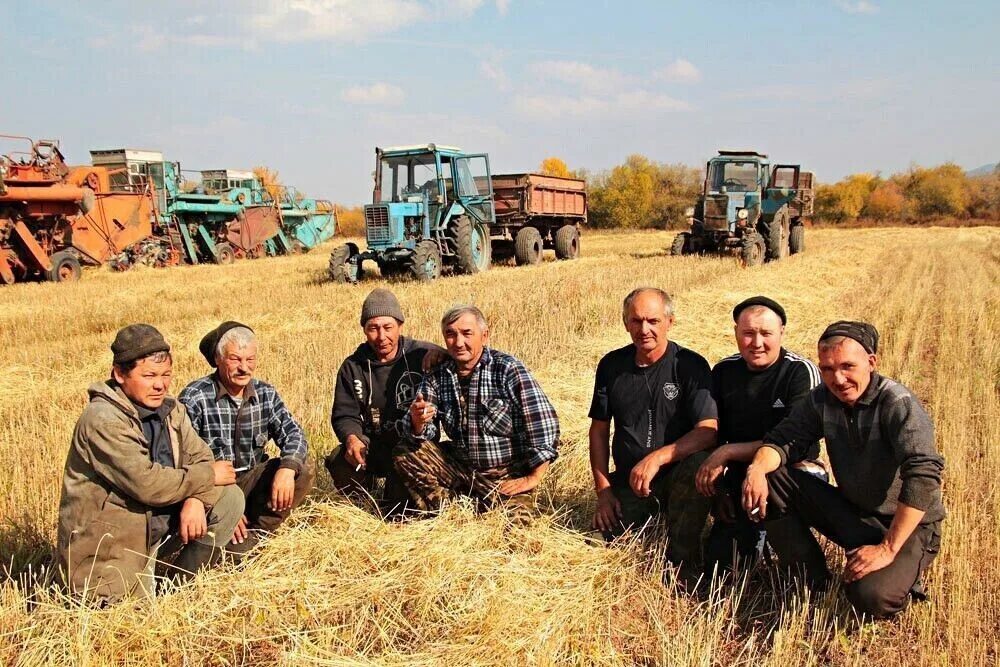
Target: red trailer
(535,211)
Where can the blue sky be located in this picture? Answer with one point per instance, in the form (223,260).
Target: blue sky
(310,87)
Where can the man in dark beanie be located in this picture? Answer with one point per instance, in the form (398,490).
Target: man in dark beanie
(237,415)
(139,481)
(374,389)
(886,511)
(754,390)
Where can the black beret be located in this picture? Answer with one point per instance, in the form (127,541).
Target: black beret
(760,301)
(210,342)
(137,341)
(865,334)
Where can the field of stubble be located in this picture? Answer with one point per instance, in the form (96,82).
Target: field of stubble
(337,586)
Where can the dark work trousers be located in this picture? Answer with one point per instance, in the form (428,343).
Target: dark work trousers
(362,483)
(256,486)
(817,504)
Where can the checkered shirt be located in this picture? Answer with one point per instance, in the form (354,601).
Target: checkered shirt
(262,417)
(510,420)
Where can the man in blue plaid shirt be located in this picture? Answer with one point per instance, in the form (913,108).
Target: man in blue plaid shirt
(502,429)
(237,414)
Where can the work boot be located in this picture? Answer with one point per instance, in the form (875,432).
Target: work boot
(237,552)
(193,558)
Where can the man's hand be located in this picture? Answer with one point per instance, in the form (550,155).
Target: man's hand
(432,359)
(609,510)
(193,521)
(282,490)
(755,494)
(641,477)
(224,473)
(356,451)
(242,532)
(710,471)
(421,414)
(865,560)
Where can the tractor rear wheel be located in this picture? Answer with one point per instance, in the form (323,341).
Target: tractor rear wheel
(777,236)
(568,242)
(65,267)
(472,246)
(797,239)
(681,244)
(425,262)
(528,246)
(752,252)
(343,268)
(224,254)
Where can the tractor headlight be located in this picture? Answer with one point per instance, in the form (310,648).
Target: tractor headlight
(689,212)
(742,214)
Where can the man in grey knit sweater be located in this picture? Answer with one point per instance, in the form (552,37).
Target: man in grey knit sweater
(886,511)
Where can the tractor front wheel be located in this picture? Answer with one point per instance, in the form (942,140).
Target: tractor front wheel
(65,267)
(681,244)
(568,242)
(425,262)
(528,246)
(472,246)
(343,267)
(797,239)
(752,252)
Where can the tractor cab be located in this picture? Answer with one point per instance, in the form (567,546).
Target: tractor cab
(740,187)
(418,189)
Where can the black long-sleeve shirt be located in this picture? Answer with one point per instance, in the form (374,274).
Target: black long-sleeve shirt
(881,450)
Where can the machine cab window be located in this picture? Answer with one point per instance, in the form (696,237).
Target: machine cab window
(408,175)
(733,176)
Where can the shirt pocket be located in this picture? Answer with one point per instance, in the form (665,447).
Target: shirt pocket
(497,418)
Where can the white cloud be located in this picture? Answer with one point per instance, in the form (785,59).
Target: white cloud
(581,75)
(681,71)
(857,6)
(634,102)
(297,20)
(502,7)
(377,93)
(495,73)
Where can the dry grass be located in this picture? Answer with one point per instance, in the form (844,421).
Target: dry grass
(336,586)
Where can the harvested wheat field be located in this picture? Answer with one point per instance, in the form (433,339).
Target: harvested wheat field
(337,586)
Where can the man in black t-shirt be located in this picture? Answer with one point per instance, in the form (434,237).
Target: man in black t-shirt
(658,394)
(754,390)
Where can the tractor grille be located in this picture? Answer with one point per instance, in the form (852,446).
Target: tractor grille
(377,224)
(716,212)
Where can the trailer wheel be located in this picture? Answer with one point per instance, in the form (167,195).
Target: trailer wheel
(528,246)
(343,267)
(472,246)
(777,236)
(568,242)
(681,244)
(65,267)
(753,250)
(797,239)
(425,262)
(224,254)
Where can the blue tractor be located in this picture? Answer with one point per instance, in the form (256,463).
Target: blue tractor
(307,222)
(432,208)
(750,206)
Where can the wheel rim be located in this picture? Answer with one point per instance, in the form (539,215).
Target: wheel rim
(478,247)
(430,267)
(65,272)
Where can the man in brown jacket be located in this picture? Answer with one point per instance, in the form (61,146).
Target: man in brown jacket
(138,479)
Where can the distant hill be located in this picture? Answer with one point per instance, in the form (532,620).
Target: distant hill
(985,170)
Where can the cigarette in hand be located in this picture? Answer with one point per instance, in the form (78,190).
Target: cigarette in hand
(358,469)
(755,510)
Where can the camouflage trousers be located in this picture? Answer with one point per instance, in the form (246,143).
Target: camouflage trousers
(674,500)
(432,476)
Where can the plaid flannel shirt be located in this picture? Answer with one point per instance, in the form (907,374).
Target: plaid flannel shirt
(262,417)
(510,420)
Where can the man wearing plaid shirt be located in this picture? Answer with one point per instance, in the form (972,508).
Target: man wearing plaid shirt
(502,428)
(236,414)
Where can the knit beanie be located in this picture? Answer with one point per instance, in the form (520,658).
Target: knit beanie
(381,303)
(137,341)
(210,342)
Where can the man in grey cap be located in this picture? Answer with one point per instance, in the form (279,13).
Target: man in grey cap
(373,391)
(886,510)
(139,480)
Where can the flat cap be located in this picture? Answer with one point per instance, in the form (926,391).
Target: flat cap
(211,340)
(865,334)
(760,301)
(137,341)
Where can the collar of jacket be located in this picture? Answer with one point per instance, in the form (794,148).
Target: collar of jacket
(220,389)
(110,391)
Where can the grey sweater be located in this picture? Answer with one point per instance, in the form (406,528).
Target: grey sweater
(881,450)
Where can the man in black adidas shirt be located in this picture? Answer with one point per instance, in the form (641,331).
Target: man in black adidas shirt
(754,391)
(658,394)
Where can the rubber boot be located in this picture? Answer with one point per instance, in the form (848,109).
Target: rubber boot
(798,551)
(193,558)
